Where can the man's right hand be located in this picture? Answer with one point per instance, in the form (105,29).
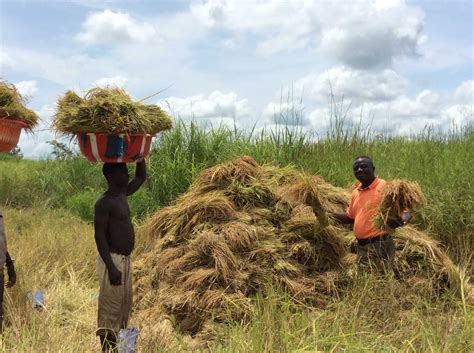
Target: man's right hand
(115,277)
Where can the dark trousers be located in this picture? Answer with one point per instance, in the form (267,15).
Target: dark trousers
(377,254)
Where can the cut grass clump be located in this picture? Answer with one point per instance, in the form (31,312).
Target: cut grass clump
(398,196)
(244,228)
(108,110)
(12,106)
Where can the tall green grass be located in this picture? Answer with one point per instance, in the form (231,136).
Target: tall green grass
(440,162)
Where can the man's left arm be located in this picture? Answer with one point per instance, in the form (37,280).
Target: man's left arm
(139,179)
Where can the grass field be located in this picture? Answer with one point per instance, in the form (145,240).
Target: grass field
(48,209)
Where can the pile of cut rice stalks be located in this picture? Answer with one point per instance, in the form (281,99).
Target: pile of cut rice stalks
(398,196)
(12,106)
(108,110)
(242,229)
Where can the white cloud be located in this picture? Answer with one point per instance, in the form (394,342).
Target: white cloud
(465,92)
(27,88)
(357,86)
(362,34)
(215,108)
(402,115)
(288,113)
(6,61)
(458,114)
(107,27)
(118,81)
(72,69)
(387,4)
(35,146)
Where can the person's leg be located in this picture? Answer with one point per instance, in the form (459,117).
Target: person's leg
(363,258)
(386,254)
(2,287)
(108,342)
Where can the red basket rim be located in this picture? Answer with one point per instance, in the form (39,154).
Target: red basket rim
(115,134)
(14,122)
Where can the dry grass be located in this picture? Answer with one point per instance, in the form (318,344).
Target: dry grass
(233,235)
(108,110)
(397,196)
(12,106)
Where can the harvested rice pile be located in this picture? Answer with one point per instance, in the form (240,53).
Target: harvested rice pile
(242,228)
(108,110)
(12,106)
(397,196)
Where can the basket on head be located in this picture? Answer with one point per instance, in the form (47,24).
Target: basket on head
(120,148)
(10,133)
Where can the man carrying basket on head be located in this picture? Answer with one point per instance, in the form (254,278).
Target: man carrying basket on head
(115,240)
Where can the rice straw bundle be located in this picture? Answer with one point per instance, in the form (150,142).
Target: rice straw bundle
(12,106)
(108,110)
(398,196)
(242,229)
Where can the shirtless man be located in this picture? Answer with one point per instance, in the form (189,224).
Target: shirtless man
(115,240)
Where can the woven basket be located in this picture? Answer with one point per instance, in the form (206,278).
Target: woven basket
(10,133)
(121,148)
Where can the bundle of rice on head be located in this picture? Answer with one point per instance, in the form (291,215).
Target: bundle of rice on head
(109,111)
(12,106)
(397,197)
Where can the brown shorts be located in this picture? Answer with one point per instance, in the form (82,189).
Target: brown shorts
(115,302)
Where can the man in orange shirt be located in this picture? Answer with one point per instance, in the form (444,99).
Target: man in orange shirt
(375,247)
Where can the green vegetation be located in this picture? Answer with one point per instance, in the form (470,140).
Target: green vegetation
(54,249)
(440,164)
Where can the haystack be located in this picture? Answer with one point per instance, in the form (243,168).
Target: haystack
(243,229)
(12,106)
(108,110)
(397,196)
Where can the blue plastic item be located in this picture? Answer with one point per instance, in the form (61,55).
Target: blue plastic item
(127,340)
(37,299)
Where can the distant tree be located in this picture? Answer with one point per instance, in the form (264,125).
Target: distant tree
(61,150)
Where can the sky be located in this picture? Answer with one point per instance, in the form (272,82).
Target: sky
(394,66)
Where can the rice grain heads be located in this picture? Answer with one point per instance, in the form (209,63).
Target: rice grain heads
(12,106)
(108,110)
(397,196)
(242,229)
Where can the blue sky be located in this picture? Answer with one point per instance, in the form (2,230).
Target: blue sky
(403,64)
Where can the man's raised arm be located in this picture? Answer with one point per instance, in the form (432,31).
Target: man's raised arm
(139,179)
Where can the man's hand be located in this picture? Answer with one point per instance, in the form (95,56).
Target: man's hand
(115,277)
(395,223)
(399,221)
(11,274)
